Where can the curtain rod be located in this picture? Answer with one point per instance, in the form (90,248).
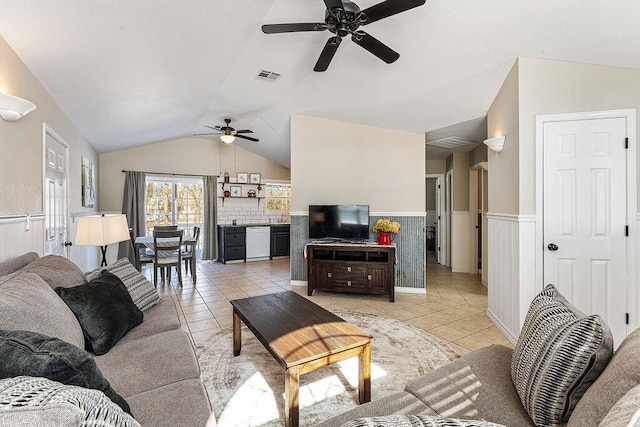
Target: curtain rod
(170,174)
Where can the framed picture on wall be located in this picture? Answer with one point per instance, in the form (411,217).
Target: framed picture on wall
(254,178)
(243,177)
(88,183)
(236,191)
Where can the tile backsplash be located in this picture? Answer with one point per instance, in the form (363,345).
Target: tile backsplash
(248,211)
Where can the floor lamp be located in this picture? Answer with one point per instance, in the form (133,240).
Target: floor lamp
(102,230)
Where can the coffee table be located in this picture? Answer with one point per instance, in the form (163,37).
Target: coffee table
(302,337)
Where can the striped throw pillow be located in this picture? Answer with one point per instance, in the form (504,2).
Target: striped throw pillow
(559,354)
(142,291)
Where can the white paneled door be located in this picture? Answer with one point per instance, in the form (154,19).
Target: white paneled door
(585,216)
(55,194)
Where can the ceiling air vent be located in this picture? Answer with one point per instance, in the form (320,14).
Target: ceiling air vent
(453,142)
(268,75)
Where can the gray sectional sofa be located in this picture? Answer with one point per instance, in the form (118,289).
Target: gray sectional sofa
(153,367)
(480,386)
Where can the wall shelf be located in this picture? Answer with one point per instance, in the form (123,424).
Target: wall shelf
(240,197)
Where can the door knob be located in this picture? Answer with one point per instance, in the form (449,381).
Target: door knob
(552,247)
(68,243)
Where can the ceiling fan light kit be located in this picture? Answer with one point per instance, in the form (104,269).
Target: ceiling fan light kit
(227,133)
(344,17)
(227,139)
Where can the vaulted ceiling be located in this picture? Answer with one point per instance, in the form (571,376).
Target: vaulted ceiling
(129,73)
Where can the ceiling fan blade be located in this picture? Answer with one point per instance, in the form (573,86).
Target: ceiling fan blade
(386,9)
(203,134)
(244,131)
(375,46)
(247,137)
(292,28)
(334,4)
(326,56)
(213,127)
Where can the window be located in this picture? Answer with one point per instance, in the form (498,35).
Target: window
(172,200)
(278,197)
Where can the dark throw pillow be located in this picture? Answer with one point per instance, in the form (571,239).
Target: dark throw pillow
(36,355)
(104,309)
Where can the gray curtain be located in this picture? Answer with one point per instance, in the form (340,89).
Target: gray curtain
(133,208)
(210,226)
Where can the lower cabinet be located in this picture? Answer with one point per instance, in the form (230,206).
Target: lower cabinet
(366,269)
(231,243)
(280,240)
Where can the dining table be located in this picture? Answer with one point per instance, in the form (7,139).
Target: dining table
(189,242)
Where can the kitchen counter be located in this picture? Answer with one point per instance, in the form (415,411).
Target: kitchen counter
(238,242)
(254,225)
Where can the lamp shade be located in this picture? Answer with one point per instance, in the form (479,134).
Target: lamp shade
(227,139)
(102,230)
(13,108)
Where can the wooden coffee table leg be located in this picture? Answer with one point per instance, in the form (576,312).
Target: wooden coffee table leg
(237,333)
(364,374)
(291,386)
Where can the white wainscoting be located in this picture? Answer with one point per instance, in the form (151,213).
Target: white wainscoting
(511,270)
(460,242)
(15,240)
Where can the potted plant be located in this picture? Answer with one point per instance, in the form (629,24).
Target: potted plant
(385,227)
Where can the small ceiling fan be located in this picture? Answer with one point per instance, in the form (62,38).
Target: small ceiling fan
(344,17)
(227,133)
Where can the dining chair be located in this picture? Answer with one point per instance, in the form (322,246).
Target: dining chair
(165,227)
(188,253)
(167,254)
(143,255)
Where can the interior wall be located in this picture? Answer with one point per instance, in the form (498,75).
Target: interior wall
(436,166)
(553,87)
(21,142)
(460,182)
(21,164)
(478,155)
(196,156)
(503,119)
(344,163)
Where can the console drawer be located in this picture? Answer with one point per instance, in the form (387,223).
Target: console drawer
(349,270)
(346,284)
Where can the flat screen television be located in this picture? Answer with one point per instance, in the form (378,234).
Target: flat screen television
(347,222)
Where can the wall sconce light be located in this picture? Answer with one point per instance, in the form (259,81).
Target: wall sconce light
(227,139)
(495,144)
(13,108)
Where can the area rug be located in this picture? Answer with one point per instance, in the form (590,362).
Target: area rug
(248,390)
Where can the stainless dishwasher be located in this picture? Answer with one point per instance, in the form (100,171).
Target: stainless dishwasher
(258,243)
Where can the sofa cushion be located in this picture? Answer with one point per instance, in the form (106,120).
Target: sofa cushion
(142,292)
(476,386)
(148,363)
(400,403)
(15,264)
(29,401)
(626,411)
(183,403)
(104,309)
(416,421)
(28,303)
(57,271)
(159,318)
(559,354)
(621,375)
(37,355)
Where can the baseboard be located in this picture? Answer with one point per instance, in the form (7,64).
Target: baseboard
(502,328)
(298,283)
(485,284)
(405,290)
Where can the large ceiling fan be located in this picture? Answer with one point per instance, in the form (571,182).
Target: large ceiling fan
(344,17)
(227,133)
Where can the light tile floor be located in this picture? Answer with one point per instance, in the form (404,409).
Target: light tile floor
(452,309)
